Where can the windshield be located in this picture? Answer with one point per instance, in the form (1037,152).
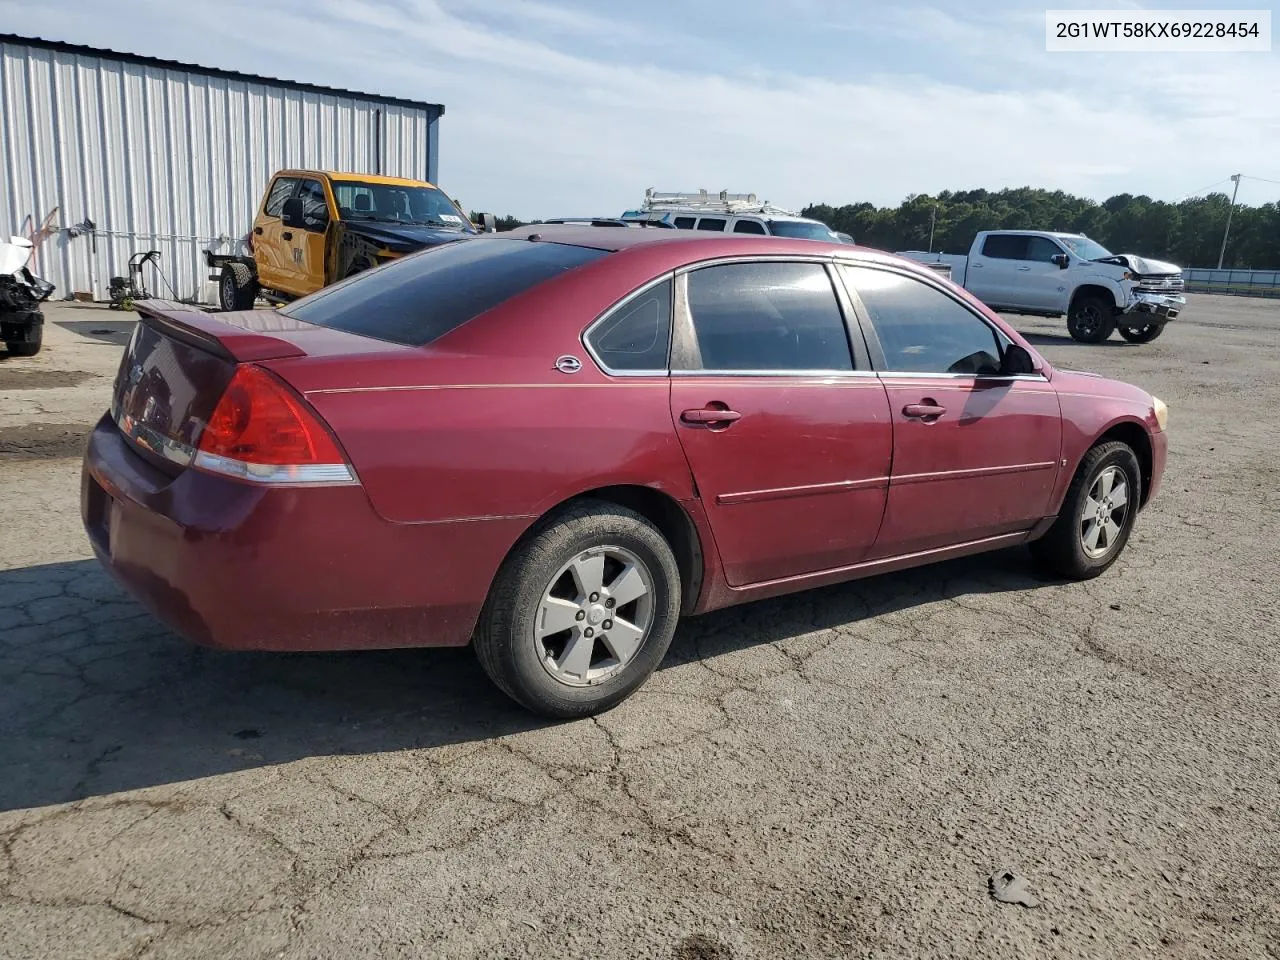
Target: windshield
(802,230)
(392,203)
(1084,248)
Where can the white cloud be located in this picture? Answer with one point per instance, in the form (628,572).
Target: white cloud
(545,118)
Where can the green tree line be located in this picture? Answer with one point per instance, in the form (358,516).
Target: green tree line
(1188,233)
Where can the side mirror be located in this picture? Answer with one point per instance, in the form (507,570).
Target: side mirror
(1016,361)
(291,215)
(1062,260)
(488,223)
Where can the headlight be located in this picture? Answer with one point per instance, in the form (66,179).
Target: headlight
(1161,411)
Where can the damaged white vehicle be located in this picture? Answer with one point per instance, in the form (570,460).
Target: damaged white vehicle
(21,322)
(1050,274)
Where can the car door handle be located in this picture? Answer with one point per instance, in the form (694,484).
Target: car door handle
(925,410)
(1024,268)
(710,415)
(976,266)
(286,235)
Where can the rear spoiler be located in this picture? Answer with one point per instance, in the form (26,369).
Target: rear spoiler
(216,333)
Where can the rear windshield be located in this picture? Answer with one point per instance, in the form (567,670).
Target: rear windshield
(415,300)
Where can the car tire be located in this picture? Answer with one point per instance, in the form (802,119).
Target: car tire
(237,288)
(29,344)
(607,648)
(359,265)
(1071,548)
(1144,334)
(1091,319)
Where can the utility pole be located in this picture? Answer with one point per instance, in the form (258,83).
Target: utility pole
(933,219)
(1227,232)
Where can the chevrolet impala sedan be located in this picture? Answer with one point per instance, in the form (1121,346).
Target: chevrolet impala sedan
(553,443)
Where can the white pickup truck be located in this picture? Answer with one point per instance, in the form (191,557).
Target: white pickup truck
(1050,274)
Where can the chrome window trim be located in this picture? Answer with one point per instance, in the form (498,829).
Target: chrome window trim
(755,258)
(812,374)
(620,304)
(905,375)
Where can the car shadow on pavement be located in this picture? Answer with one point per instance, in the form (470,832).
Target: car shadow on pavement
(98,697)
(1066,340)
(114,328)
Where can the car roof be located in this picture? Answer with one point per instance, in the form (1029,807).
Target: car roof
(374,178)
(689,245)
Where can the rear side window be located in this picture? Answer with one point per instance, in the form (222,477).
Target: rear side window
(685,223)
(768,316)
(281,190)
(711,223)
(421,297)
(749,226)
(637,334)
(1004,246)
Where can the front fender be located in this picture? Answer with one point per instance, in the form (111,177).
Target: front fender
(1119,292)
(1087,417)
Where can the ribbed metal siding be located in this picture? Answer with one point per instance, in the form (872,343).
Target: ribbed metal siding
(170,160)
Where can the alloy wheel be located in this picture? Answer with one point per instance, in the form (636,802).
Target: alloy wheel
(594,616)
(1105,510)
(1089,320)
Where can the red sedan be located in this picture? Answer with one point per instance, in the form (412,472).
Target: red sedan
(555,442)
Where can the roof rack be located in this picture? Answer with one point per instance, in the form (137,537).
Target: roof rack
(703,200)
(623,221)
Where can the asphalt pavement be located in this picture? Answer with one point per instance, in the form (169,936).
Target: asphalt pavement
(833,774)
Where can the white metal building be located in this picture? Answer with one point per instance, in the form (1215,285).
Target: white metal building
(168,156)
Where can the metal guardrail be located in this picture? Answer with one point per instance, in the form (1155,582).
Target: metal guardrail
(1237,283)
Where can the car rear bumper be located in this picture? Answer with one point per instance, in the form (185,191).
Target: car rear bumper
(234,565)
(1156,306)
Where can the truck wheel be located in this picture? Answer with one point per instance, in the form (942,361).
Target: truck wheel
(358,265)
(581,612)
(237,288)
(1142,334)
(1091,319)
(1097,514)
(30,343)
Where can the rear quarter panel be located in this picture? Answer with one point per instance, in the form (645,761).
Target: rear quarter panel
(481,423)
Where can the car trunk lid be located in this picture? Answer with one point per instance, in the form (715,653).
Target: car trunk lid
(180,360)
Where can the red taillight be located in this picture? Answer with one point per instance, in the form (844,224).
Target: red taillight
(261,430)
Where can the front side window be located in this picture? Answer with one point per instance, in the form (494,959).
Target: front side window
(921,329)
(281,190)
(749,226)
(637,334)
(685,223)
(711,223)
(315,207)
(767,316)
(1041,250)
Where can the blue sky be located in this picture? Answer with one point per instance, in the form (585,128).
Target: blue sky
(573,107)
